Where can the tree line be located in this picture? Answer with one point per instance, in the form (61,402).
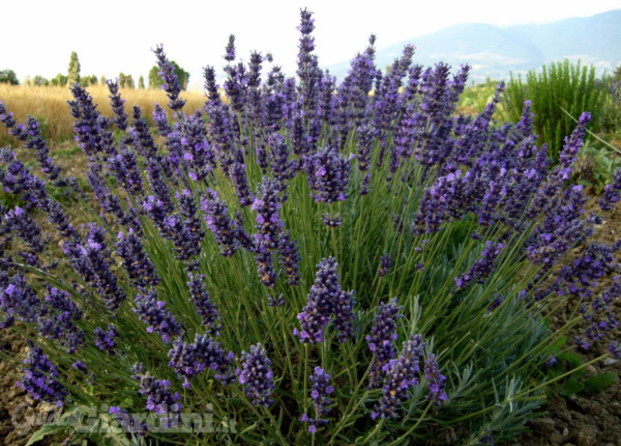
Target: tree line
(73,75)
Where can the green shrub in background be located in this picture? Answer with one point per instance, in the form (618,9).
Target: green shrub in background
(560,92)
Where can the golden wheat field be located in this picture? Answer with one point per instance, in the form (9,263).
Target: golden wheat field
(49,105)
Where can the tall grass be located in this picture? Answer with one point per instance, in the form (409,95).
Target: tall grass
(558,92)
(49,105)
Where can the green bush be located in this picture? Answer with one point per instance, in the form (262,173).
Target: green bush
(559,93)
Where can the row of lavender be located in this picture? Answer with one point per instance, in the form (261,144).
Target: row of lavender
(220,248)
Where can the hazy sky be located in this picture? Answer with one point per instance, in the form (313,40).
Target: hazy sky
(111,36)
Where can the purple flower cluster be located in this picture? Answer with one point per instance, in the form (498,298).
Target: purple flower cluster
(381,339)
(136,260)
(60,319)
(328,174)
(93,262)
(436,394)
(218,221)
(400,375)
(326,301)
(156,316)
(320,394)
(267,206)
(482,267)
(161,400)
(171,84)
(204,306)
(256,375)
(188,360)
(106,340)
(41,378)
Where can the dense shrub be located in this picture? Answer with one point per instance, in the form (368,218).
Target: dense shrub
(560,92)
(311,263)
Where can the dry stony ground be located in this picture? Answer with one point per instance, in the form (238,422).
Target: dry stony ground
(581,420)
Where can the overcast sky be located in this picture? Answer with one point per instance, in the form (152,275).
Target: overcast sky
(111,36)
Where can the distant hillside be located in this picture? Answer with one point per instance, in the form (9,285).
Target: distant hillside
(494,51)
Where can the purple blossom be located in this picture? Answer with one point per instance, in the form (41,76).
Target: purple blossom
(156,316)
(482,267)
(436,394)
(256,375)
(117,104)
(325,301)
(400,376)
(188,360)
(267,206)
(218,221)
(320,394)
(136,260)
(160,399)
(60,319)
(290,257)
(106,340)
(171,84)
(328,174)
(41,378)
(205,308)
(381,339)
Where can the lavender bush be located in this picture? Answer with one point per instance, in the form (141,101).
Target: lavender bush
(315,263)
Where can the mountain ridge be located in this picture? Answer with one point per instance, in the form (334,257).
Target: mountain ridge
(496,51)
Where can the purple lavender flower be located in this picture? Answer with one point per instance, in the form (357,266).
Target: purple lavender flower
(117,104)
(482,267)
(18,221)
(92,261)
(135,260)
(400,376)
(19,301)
(80,366)
(611,195)
(436,395)
(154,314)
(90,135)
(59,321)
(238,172)
(264,258)
(124,165)
(331,221)
(188,360)
(328,173)
(161,120)
(219,222)
(321,389)
(290,257)
(205,307)
(171,85)
(326,300)
(385,265)
(572,145)
(160,399)
(256,375)
(267,205)
(128,422)
(381,339)
(106,340)
(229,55)
(40,378)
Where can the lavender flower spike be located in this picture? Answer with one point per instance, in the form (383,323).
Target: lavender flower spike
(321,402)
(256,375)
(171,85)
(381,339)
(436,395)
(400,376)
(158,319)
(40,378)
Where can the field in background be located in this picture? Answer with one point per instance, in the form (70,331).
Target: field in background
(49,105)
